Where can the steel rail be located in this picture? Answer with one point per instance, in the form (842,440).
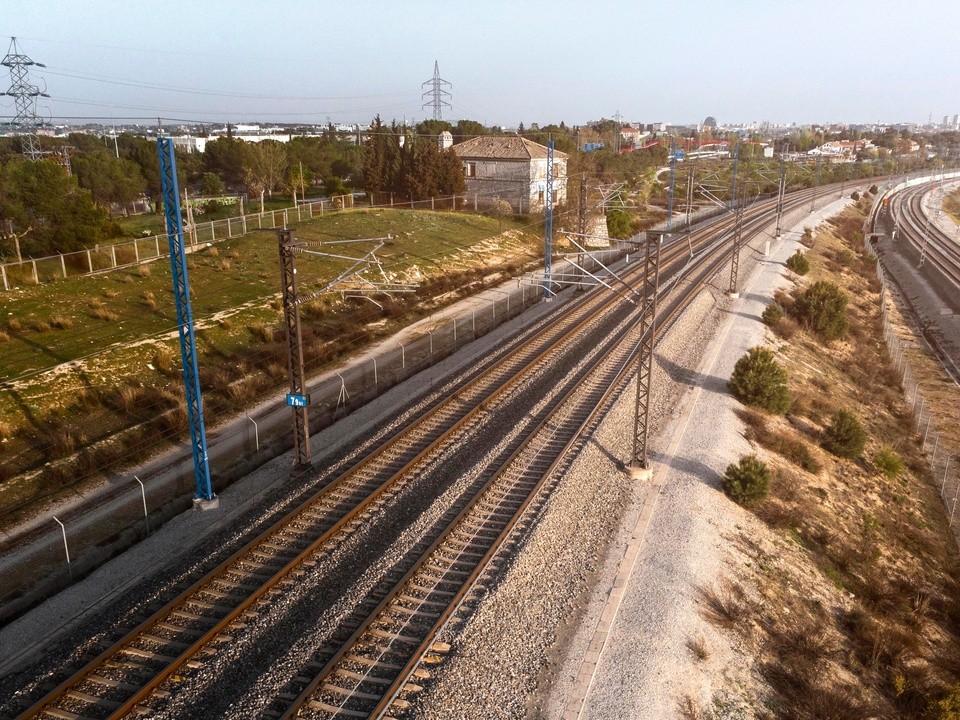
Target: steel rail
(274,572)
(393,610)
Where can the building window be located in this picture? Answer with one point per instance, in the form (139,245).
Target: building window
(540,196)
(469,169)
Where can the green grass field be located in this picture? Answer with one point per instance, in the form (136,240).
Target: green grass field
(88,360)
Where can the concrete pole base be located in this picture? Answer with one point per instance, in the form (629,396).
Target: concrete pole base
(637,472)
(204,504)
(300,469)
(766,249)
(734,295)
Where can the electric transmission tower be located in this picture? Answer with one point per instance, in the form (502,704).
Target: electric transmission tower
(24,95)
(435,95)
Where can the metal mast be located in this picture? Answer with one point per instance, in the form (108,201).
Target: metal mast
(781,190)
(436,95)
(204,497)
(639,463)
(297,399)
(581,226)
(24,94)
(548,225)
(673,184)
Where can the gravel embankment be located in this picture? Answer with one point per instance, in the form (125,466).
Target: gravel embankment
(521,651)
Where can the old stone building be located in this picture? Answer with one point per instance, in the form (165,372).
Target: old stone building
(511,169)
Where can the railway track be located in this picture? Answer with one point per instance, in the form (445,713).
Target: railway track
(934,245)
(387,656)
(136,671)
(938,259)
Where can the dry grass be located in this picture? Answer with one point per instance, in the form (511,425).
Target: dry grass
(6,431)
(263,332)
(143,271)
(727,606)
(14,325)
(149,299)
(698,646)
(163,361)
(101,313)
(61,322)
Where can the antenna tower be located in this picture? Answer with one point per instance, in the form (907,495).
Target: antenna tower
(24,95)
(435,95)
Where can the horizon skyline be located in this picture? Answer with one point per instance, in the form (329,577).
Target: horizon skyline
(203,75)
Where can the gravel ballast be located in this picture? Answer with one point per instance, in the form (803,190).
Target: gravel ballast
(522,652)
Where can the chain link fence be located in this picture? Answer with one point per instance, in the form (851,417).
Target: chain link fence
(72,543)
(943,459)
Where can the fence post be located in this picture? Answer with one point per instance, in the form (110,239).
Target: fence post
(256,433)
(285,222)
(229,228)
(3,271)
(143,494)
(474,202)
(432,205)
(63,265)
(376,380)
(213,232)
(66,548)
(89,260)
(36,278)
(156,239)
(946,468)
(113,254)
(298,213)
(430,333)
(136,252)
(243,223)
(391,199)
(310,210)
(403,356)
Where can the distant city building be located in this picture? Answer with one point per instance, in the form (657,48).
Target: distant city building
(633,135)
(511,169)
(710,122)
(445,140)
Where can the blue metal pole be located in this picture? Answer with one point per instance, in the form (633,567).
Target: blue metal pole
(673,181)
(181,295)
(548,225)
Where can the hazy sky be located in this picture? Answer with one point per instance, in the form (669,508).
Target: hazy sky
(740,60)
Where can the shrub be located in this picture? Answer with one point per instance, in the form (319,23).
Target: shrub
(823,306)
(845,436)
(889,462)
(758,379)
(854,196)
(873,190)
(746,481)
(772,314)
(798,263)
